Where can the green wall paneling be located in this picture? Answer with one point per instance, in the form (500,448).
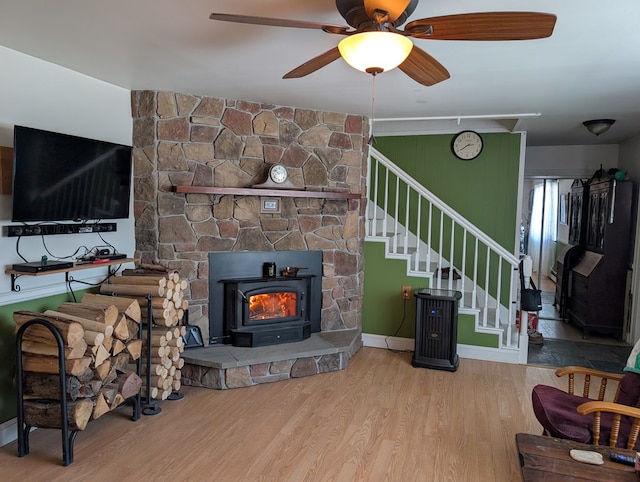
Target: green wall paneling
(483,191)
(467,333)
(383,309)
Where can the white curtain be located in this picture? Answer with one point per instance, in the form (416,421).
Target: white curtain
(543,235)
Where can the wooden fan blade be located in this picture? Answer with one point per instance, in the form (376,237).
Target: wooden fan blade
(423,68)
(275,22)
(486,26)
(394,8)
(314,64)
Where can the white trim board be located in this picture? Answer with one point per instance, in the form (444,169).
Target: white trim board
(464,351)
(8,431)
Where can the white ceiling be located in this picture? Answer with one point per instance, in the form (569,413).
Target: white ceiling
(589,68)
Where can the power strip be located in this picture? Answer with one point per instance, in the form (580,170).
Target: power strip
(48,229)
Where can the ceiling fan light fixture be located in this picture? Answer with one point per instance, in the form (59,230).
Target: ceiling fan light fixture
(598,126)
(375,52)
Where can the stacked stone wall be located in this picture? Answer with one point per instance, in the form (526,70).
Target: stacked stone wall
(182,139)
(269,372)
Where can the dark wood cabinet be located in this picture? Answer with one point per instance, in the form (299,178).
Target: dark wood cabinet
(565,261)
(577,212)
(596,287)
(597,215)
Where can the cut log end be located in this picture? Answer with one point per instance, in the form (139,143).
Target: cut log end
(47,414)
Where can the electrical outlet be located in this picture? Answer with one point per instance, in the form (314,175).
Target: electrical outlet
(406,292)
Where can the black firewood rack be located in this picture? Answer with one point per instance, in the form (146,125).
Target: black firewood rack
(68,436)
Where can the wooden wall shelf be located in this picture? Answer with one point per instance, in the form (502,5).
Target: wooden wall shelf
(249,191)
(76,267)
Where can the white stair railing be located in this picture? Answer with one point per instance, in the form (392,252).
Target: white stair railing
(418,226)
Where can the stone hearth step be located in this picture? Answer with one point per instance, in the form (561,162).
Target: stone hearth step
(224,366)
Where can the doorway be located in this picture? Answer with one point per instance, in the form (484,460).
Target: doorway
(544,233)
(543,229)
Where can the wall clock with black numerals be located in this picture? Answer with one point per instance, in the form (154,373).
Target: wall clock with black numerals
(278,173)
(467,145)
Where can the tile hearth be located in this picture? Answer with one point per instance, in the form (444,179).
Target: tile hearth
(224,366)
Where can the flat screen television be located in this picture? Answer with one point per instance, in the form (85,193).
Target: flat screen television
(59,177)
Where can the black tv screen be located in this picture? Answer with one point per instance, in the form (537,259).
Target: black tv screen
(59,177)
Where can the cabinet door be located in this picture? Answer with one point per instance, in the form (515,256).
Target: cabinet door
(592,220)
(603,219)
(597,218)
(575,221)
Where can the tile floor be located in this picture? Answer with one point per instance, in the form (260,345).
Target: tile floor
(552,326)
(564,345)
(562,353)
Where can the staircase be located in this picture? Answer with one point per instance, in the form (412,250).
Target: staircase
(436,241)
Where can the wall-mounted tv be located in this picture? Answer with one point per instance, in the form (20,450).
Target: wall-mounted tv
(59,177)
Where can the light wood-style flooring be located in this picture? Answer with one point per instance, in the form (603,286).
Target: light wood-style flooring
(379,420)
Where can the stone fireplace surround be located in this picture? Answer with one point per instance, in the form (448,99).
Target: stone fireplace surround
(190,140)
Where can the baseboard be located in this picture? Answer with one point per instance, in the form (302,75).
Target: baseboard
(388,342)
(489,354)
(8,431)
(464,351)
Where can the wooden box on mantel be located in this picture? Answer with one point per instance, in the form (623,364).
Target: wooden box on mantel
(6,169)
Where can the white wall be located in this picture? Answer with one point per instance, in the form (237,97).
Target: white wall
(569,162)
(630,162)
(564,188)
(630,158)
(39,94)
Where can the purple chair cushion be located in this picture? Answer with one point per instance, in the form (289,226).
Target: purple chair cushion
(556,411)
(629,389)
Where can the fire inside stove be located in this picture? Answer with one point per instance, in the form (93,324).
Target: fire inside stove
(267,306)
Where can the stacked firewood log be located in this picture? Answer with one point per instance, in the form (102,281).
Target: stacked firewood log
(101,345)
(168,306)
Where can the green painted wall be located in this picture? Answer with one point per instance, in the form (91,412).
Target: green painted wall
(8,346)
(467,334)
(383,307)
(385,313)
(484,191)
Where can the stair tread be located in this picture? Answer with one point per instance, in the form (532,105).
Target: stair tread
(395,249)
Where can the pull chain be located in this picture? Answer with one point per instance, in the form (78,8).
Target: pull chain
(372,139)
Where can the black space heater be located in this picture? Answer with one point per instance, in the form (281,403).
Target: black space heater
(436,329)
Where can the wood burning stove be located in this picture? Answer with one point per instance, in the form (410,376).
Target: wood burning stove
(248,308)
(267,311)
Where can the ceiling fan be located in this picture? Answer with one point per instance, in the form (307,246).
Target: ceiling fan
(366,16)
